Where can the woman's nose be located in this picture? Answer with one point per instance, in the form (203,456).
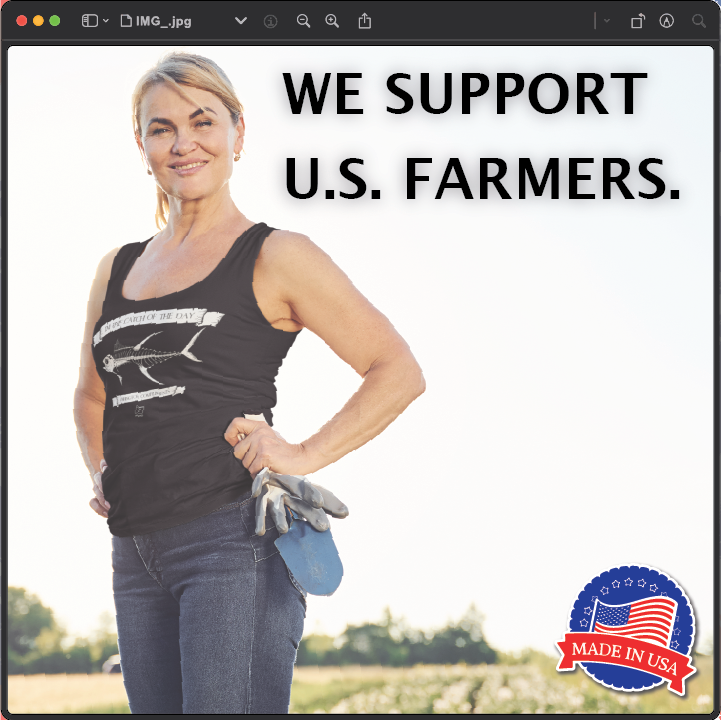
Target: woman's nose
(184,143)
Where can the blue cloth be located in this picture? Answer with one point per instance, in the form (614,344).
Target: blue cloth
(311,557)
(209,617)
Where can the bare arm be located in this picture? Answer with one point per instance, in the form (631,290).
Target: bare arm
(314,293)
(89,401)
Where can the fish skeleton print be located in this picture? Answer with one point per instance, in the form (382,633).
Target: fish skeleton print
(144,357)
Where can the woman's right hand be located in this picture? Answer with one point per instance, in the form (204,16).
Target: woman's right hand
(99,503)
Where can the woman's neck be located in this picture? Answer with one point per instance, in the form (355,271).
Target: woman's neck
(190,220)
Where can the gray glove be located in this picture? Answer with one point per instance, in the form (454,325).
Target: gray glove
(274,492)
(295,484)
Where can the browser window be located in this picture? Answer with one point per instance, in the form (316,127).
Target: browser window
(525,197)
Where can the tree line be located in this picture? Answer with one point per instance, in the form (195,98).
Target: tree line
(392,642)
(38,644)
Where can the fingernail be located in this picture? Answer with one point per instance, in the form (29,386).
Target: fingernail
(107,504)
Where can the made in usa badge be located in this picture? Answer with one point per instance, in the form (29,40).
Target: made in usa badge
(631,628)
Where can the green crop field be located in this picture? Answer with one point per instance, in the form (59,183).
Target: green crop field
(533,686)
(525,687)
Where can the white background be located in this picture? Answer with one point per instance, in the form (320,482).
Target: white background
(567,345)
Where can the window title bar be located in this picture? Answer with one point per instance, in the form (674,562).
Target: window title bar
(359,21)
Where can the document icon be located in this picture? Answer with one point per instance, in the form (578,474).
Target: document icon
(126,20)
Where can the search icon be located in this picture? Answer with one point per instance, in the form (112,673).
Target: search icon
(698,20)
(303,20)
(331,20)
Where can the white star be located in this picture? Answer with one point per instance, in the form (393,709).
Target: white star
(653,588)
(584,623)
(604,590)
(676,632)
(674,645)
(642,583)
(616,584)
(587,611)
(664,594)
(594,598)
(627,582)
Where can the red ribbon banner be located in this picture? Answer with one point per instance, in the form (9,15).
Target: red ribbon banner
(636,654)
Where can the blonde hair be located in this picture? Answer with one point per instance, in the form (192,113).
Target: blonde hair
(180,68)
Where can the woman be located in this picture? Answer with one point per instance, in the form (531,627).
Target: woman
(185,334)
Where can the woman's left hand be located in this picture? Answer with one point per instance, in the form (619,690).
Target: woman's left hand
(257,446)
(273,494)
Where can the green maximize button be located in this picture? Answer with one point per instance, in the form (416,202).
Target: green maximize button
(54,20)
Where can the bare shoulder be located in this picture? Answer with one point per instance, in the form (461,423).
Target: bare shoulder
(286,245)
(293,256)
(106,264)
(102,275)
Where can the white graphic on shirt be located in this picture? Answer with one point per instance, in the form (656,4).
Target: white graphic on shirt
(147,395)
(195,316)
(144,357)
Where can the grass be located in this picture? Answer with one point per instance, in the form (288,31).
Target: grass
(530,685)
(72,694)
(320,689)
(698,698)
(103,710)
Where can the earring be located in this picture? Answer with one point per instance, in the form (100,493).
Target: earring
(237,157)
(150,172)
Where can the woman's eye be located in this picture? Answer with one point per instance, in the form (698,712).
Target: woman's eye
(207,123)
(159,131)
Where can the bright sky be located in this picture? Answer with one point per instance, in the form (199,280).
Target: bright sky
(567,346)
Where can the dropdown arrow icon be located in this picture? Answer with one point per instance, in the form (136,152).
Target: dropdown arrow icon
(606,19)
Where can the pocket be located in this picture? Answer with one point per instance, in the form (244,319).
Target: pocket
(302,592)
(228,506)
(263,545)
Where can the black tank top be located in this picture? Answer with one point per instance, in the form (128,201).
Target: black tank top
(177,369)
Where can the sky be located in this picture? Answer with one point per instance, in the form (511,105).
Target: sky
(567,346)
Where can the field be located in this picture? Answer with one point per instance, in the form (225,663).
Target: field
(478,689)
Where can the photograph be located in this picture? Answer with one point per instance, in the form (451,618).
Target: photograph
(359,374)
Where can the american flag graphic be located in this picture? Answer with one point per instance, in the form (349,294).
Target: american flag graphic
(650,619)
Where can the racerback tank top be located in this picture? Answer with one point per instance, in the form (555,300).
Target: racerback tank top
(177,369)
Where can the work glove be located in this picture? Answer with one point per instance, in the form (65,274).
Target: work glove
(273,492)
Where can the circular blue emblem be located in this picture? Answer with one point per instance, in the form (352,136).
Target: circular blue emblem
(633,601)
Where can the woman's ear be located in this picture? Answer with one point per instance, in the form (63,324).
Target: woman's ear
(139,143)
(240,137)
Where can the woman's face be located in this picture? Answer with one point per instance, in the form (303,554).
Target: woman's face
(189,147)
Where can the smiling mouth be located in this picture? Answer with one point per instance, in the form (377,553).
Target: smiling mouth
(187,167)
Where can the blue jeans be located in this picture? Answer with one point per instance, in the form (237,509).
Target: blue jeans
(209,616)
